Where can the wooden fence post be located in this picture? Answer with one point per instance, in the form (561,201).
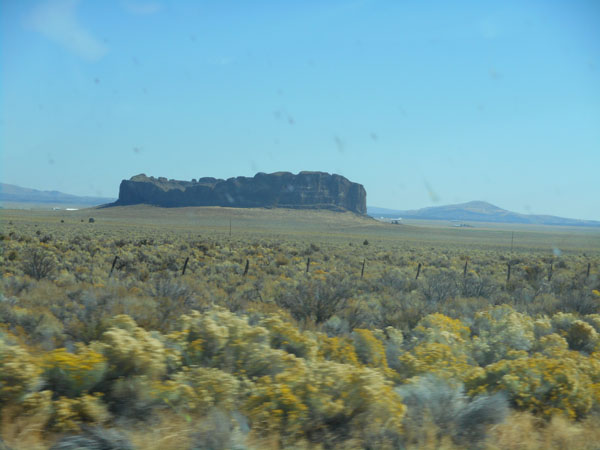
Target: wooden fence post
(307,264)
(508,273)
(185,265)
(587,274)
(550,273)
(418,271)
(247,266)
(362,271)
(113,266)
(465,269)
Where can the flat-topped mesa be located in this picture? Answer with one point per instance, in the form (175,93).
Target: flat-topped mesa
(308,190)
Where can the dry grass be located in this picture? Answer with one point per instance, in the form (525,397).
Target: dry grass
(173,432)
(320,225)
(522,431)
(23,432)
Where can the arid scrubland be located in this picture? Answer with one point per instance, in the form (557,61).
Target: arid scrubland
(299,337)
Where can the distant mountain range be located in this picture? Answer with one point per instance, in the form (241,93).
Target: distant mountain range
(10,193)
(477,212)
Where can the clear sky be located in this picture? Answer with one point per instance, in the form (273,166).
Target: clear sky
(423,102)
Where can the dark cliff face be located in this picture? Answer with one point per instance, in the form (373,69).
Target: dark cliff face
(317,190)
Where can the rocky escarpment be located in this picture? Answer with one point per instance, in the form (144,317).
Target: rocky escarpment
(316,190)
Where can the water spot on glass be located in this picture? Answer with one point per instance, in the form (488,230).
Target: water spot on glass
(341,147)
(494,74)
(433,196)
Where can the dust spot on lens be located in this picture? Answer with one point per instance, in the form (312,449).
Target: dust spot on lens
(494,74)
(434,197)
(341,146)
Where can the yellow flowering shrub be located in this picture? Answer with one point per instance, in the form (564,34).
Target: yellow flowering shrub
(392,335)
(561,322)
(91,409)
(337,349)
(582,336)
(550,343)
(324,401)
(63,413)
(285,336)
(19,371)
(435,358)
(369,349)
(237,346)
(593,320)
(442,329)
(69,413)
(498,331)
(71,374)
(38,404)
(541,327)
(197,389)
(439,345)
(274,407)
(220,339)
(544,385)
(204,336)
(131,350)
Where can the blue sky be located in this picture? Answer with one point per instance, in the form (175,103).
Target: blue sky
(423,102)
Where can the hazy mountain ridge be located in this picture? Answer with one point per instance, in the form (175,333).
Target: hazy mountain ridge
(17,194)
(478,211)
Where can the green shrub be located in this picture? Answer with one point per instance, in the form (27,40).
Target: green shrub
(433,401)
(38,263)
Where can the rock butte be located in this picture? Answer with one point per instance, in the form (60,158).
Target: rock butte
(306,190)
